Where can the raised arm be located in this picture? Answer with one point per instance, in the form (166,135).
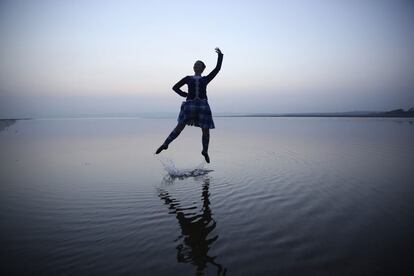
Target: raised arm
(213,73)
(178,85)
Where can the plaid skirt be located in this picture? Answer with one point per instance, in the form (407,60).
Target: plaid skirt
(196,113)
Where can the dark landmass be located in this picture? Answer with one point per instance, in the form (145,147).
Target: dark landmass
(5,123)
(396,113)
(14,119)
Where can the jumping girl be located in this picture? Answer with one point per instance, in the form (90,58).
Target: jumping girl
(195,111)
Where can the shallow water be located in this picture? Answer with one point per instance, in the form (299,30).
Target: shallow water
(282,196)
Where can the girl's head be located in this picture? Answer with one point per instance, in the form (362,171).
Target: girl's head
(199,67)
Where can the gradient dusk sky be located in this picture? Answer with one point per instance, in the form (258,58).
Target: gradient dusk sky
(84,57)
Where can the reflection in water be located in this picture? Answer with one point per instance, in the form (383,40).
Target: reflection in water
(194,241)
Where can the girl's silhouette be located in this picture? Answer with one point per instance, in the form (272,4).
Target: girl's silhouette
(195,111)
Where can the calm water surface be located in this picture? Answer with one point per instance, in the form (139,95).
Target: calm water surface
(285,196)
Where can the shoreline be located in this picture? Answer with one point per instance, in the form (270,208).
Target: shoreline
(320,116)
(389,114)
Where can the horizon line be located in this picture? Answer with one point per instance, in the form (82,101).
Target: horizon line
(169,114)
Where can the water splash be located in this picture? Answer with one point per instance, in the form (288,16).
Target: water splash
(175,172)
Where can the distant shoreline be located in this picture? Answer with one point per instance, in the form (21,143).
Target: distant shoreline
(397,113)
(323,115)
(227,116)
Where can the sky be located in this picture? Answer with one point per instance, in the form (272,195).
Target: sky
(70,57)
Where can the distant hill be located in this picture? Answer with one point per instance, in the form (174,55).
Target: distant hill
(401,112)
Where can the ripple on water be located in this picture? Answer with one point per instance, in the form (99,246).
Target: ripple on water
(324,203)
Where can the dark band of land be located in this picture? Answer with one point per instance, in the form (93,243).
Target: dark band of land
(397,113)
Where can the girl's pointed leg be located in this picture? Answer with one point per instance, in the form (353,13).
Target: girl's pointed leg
(205,139)
(174,134)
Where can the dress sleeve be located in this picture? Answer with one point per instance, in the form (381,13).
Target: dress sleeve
(213,73)
(178,85)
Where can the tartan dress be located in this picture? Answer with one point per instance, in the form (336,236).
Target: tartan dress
(196,112)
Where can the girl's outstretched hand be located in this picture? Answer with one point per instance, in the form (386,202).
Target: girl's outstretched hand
(218,51)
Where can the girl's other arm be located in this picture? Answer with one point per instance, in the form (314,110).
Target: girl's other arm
(178,85)
(218,66)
